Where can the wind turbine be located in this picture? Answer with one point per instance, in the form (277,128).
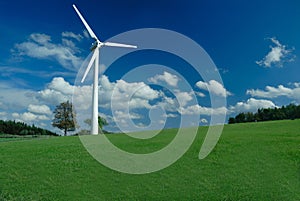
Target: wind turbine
(95,60)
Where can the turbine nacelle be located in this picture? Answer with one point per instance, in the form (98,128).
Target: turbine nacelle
(96,44)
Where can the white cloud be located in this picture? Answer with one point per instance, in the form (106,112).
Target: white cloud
(183,97)
(69,44)
(168,104)
(297,84)
(29,117)
(122,117)
(122,93)
(204,121)
(35,106)
(51,96)
(213,87)
(278,55)
(136,89)
(40,38)
(199,110)
(59,84)
(86,34)
(15,99)
(57,91)
(40,46)
(10,71)
(170,115)
(200,94)
(39,109)
(124,120)
(274,92)
(161,122)
(251,105)
(166,77)
(69,34)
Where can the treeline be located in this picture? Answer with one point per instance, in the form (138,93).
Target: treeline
(290,111)
(21,128)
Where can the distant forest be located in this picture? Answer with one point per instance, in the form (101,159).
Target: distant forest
(290,111)
(20,128)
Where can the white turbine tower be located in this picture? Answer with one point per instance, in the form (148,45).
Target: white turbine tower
(95,60)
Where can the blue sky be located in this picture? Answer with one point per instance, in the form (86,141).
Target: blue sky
(254,45)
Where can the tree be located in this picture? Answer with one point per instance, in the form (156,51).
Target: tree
(240,118)
(231,120)
(101,122)
(290,111)
(249,117)
(64,117)
(21,128)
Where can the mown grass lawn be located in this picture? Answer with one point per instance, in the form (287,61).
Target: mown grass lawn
(253,161)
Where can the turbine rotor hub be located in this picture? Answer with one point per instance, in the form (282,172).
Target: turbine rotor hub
(96,44)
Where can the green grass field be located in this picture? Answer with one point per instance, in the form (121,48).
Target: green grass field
(254,161)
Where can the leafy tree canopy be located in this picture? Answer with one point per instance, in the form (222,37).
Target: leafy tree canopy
(290,111)
(65,117)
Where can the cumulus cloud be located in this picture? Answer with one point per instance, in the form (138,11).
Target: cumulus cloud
(251,105)
(122,94)
(166,77)
(296,84)
(200,110)
(169,104)
(213,87)
(170,115)
(12,98)
(274,92)
(200,94)
(57,91)
(183,97)
(29,117)
(116,97)
(122,117)
(204,121)
(278,55)
(59,84)
(40,46)
(39,109)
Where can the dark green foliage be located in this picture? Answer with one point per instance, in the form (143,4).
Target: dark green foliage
(101,122)
(64,117)
(290,111)
(21,128)
(231,120)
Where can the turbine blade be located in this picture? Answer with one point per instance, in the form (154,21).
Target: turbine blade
(89,65)
(92,34)
(118,45)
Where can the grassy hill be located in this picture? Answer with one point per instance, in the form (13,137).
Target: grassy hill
(252,161)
